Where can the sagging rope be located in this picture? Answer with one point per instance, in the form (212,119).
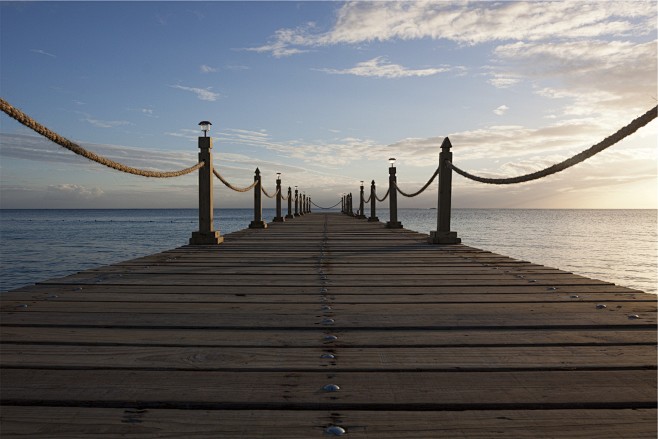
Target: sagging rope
(230,186)
(368,200)
(268,195)
(595,149)
(385,196)
(32,124)
(320,207)
(429,182)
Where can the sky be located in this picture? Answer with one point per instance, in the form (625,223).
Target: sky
(325,93)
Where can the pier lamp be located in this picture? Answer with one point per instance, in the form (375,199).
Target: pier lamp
(392,162)
(278,176)
(205,127)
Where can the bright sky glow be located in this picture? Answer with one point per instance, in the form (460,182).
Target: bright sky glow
(325,93)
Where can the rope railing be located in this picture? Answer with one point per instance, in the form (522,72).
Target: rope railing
(368,200)
(267,194)
(326,208)
(421,189)
(230,186)
(578,158)
(32,124)
(385,196)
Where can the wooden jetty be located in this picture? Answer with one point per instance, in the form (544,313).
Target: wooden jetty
(328,325)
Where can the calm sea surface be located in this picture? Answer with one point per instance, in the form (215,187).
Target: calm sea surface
(613,245)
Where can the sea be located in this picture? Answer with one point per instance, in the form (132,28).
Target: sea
(618,246)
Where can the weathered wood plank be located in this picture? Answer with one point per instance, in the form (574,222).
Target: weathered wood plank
(182,298)
(468,358)
(358,390)
(81,422)
(317,337)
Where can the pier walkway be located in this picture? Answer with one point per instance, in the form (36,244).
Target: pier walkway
(328,325)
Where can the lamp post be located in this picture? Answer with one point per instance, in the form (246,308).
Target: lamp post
(206,234)
(278,218)
(393,197)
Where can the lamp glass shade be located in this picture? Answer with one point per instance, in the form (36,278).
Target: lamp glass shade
(205,126)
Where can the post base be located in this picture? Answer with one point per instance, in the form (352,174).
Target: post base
(373,219)
(278,219)
(297,214)
(258,225)
(361,216)
(395,225)
(289,216)
(206,238)
(443,238)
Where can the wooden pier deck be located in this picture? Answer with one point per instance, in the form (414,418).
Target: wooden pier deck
(241,340)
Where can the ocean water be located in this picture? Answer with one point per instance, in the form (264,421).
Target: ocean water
(619,246)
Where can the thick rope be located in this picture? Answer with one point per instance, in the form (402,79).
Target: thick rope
(74,147)
(230,186)
(368,200)
(595,149)
(320,207)
(429,182)
(268,195)
(385,196)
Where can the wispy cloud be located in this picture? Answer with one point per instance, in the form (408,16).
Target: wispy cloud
(380,67)
(470,24)
(208,69)
(43,52)
(106,123)
(68,190)
(501,110)
(205,94)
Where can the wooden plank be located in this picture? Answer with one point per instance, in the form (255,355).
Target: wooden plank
(383,290)
(358,390)
(81,422)
(448,315)
(316,337)
(467,358)
(355,298)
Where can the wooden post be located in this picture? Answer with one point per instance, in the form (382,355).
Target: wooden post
(361,203)
(296,201)
(443,235)
(278,218)
(393,200)
(302,202)
(342,204)
(309,204)
(373,201)
(206,235)
(258,222)
(289,215)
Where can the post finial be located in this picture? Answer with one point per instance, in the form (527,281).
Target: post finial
(446,144)
(257,171)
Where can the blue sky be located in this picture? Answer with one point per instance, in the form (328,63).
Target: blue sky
(325,92)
